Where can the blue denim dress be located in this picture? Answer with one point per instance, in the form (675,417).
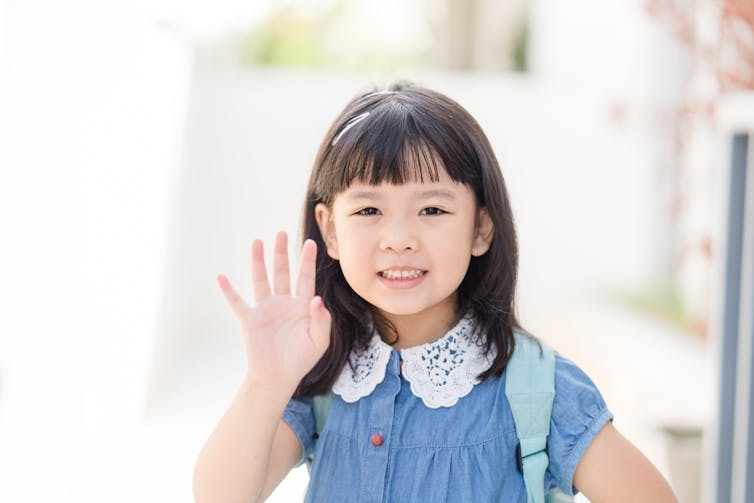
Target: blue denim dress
(389,446)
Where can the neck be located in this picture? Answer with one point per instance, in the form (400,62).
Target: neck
(425,326)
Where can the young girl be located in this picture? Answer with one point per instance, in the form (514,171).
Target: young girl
(403,308)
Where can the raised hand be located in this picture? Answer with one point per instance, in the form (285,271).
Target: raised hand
(285,334)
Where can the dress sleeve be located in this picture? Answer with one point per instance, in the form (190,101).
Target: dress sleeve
(578,414)
(299,414)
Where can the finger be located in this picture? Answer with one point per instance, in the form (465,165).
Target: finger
(281,276)
(259,281)
(307,270)
(235,301)
(319,326)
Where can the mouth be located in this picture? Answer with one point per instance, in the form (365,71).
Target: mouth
(403,274)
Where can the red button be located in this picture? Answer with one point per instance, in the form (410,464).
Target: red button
(377,440)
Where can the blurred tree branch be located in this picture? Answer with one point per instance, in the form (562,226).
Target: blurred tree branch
(732,54)
(718,38)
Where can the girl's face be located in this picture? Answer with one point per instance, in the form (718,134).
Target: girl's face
(405,248)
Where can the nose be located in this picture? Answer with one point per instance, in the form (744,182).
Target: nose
(398,237)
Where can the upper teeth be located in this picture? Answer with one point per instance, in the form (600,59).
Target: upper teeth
(401,274)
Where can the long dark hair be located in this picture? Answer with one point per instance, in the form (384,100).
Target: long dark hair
(395,135)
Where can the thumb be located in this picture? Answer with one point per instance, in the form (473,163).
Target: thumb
(319,326)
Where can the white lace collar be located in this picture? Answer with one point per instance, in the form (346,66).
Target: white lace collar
(439,372)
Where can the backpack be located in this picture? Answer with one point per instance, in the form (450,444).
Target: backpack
(530,390)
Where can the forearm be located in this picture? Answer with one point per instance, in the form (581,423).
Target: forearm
(232,465)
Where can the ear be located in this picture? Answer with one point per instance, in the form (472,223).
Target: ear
(483,234)
(327,229)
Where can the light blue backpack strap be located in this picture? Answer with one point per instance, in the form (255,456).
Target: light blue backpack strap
(530,389)
(557,496)
(322,405)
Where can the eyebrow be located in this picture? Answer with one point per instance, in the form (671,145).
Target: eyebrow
(419,194)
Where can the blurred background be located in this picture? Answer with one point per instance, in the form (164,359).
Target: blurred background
(144,145)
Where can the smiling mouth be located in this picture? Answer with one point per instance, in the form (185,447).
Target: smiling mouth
(417,273)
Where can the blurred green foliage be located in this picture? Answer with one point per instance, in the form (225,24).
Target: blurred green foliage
(324,37)
(520,50)
(360,36)
(665,302)
(286,38)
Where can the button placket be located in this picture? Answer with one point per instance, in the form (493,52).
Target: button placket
(380,424)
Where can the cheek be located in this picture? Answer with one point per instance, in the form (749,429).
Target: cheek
(357,272)
(456,240)
(354,250)
(453,255)
(459,266)
(352,237)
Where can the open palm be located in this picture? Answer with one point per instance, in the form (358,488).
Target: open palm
(285,334)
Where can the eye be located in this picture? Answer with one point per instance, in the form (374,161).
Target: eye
(367,212)
(432,211)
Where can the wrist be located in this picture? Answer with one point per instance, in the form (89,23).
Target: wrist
(273,391)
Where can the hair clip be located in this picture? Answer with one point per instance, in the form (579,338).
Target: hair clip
(351,123)
(377,93)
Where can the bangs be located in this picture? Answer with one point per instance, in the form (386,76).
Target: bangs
(395,142)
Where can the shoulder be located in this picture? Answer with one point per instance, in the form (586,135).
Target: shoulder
(570,378)
(578,401)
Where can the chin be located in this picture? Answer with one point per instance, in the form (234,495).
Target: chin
(400,309)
